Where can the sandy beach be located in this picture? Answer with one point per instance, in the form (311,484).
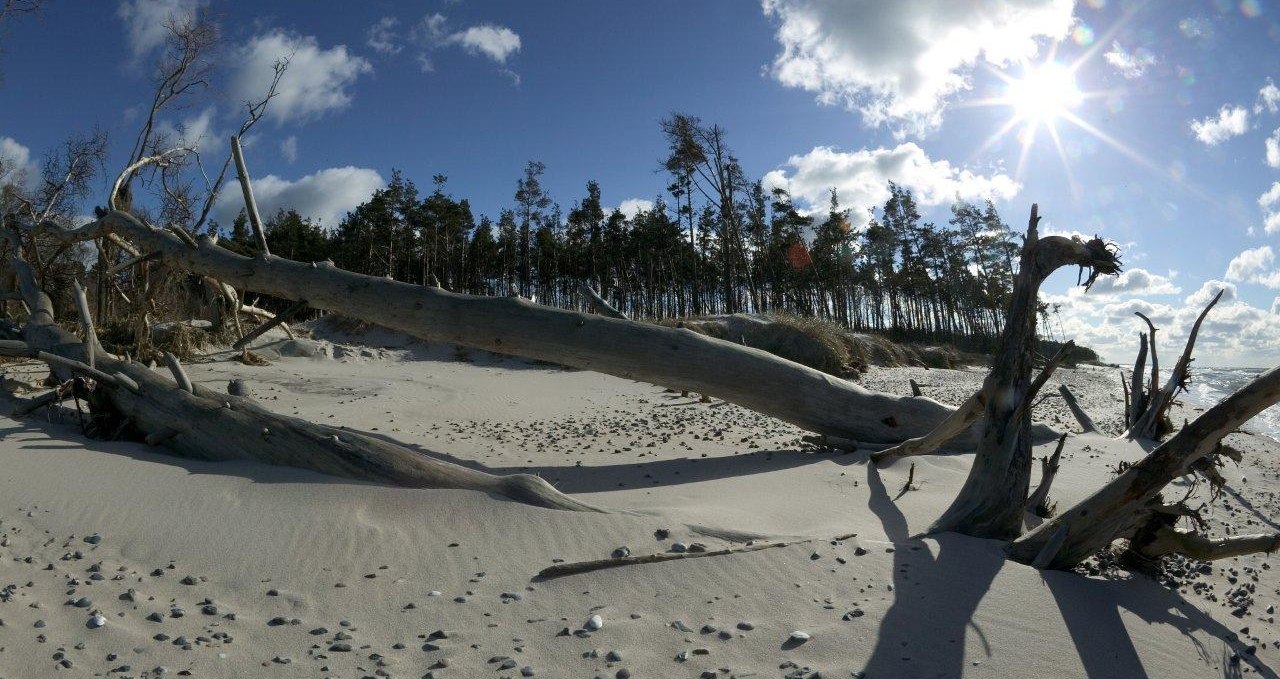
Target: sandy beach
(119,561)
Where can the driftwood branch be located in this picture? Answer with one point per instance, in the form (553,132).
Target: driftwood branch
(1149,425)
(1038,502)
(1169,540)
(86,323)
(279,319)
(1086,423)
(598,303)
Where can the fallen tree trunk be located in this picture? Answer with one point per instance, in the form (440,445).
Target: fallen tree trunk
(677,358)
(1127,502)
(202,424)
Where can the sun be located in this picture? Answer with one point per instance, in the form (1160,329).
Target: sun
(1043,94)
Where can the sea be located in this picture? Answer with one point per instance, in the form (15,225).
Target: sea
(1211,385)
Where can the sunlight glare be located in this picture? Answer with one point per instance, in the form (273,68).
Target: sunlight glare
(1044,94)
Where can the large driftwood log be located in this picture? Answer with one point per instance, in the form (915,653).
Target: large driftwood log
(1127,502)
(206,425)
(677,358)
(990,503)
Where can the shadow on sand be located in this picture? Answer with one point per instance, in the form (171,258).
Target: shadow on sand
(936,598)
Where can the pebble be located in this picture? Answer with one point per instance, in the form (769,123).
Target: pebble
(97,621)
(800,636)
(621,553)
(594,623)
(93,539)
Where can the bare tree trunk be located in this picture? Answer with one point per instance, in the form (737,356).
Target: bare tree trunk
(990,503)
(1151,424)
(677,358)
(205,425)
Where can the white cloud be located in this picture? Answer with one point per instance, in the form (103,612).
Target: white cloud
(1256,265)
(1231,121)
(197,131)
(1270,204)
(382,36)
(861,177)
(1275,306)
(1272,146)
(899,61)
(1195,27)
(289,148)
(1268,98)
(1207,290)
(317,81)
(326,195)
(1134,281)
(145,20)
(633,206)
(16,166)
(495,42)
(1129,64)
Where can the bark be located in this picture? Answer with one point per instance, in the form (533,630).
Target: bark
(990,503)
(1169,540)
(676,358)
(1127,502)
(1139,395)
(599,304)
(206,425)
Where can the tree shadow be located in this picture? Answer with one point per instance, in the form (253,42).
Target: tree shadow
(1091,609)
(922,633)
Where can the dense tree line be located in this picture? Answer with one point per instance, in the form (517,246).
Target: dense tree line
(721,244)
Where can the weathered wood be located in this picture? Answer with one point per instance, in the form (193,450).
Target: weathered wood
(1124,386)
(990,503)
(1038,501)
(1155,357)
(563,569)
(598,303)
(279,319)
(1139,394)
(132,262)
(223,427)
(1086,422)
(1169,540)
(86,323)
(250,204)
(672,357)
(1118,508)
(179,375)
(915,388)
(1148,425)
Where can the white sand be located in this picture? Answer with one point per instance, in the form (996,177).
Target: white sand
(931,608)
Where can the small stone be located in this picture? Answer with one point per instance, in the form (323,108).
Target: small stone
(679,547)
(799,636)
(93,539)
(39,624)
(594,623)
(189,580)
(662,534)
(282,660)
(621,553)
(277,621)
(97,621)
(526,671)
(613,656)
(156,616)
(746,626)
(340,647)
(855,613)
(82,602)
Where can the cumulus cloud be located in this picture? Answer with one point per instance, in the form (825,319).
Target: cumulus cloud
(1134,281)
(1207,290)
(382,36)
(1272,146)
(317,81)
(495,42)
(633,206)
(289,148)
(145,21)
(325,196)
(899,61)
(1270,204)
(16,166)
(1255,265)
(1268,98)
(1129,64)
(861,177)
(1231,121)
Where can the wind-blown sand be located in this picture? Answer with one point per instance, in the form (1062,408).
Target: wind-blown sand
(284,573)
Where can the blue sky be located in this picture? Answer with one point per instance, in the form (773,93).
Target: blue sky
(1166,149)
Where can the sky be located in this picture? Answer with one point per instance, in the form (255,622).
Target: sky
(1153,124)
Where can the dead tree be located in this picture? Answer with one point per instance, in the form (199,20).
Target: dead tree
(1151,419)
(1131,506)
(128,398)
(990,503)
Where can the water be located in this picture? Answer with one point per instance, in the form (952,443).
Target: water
(1210,385)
